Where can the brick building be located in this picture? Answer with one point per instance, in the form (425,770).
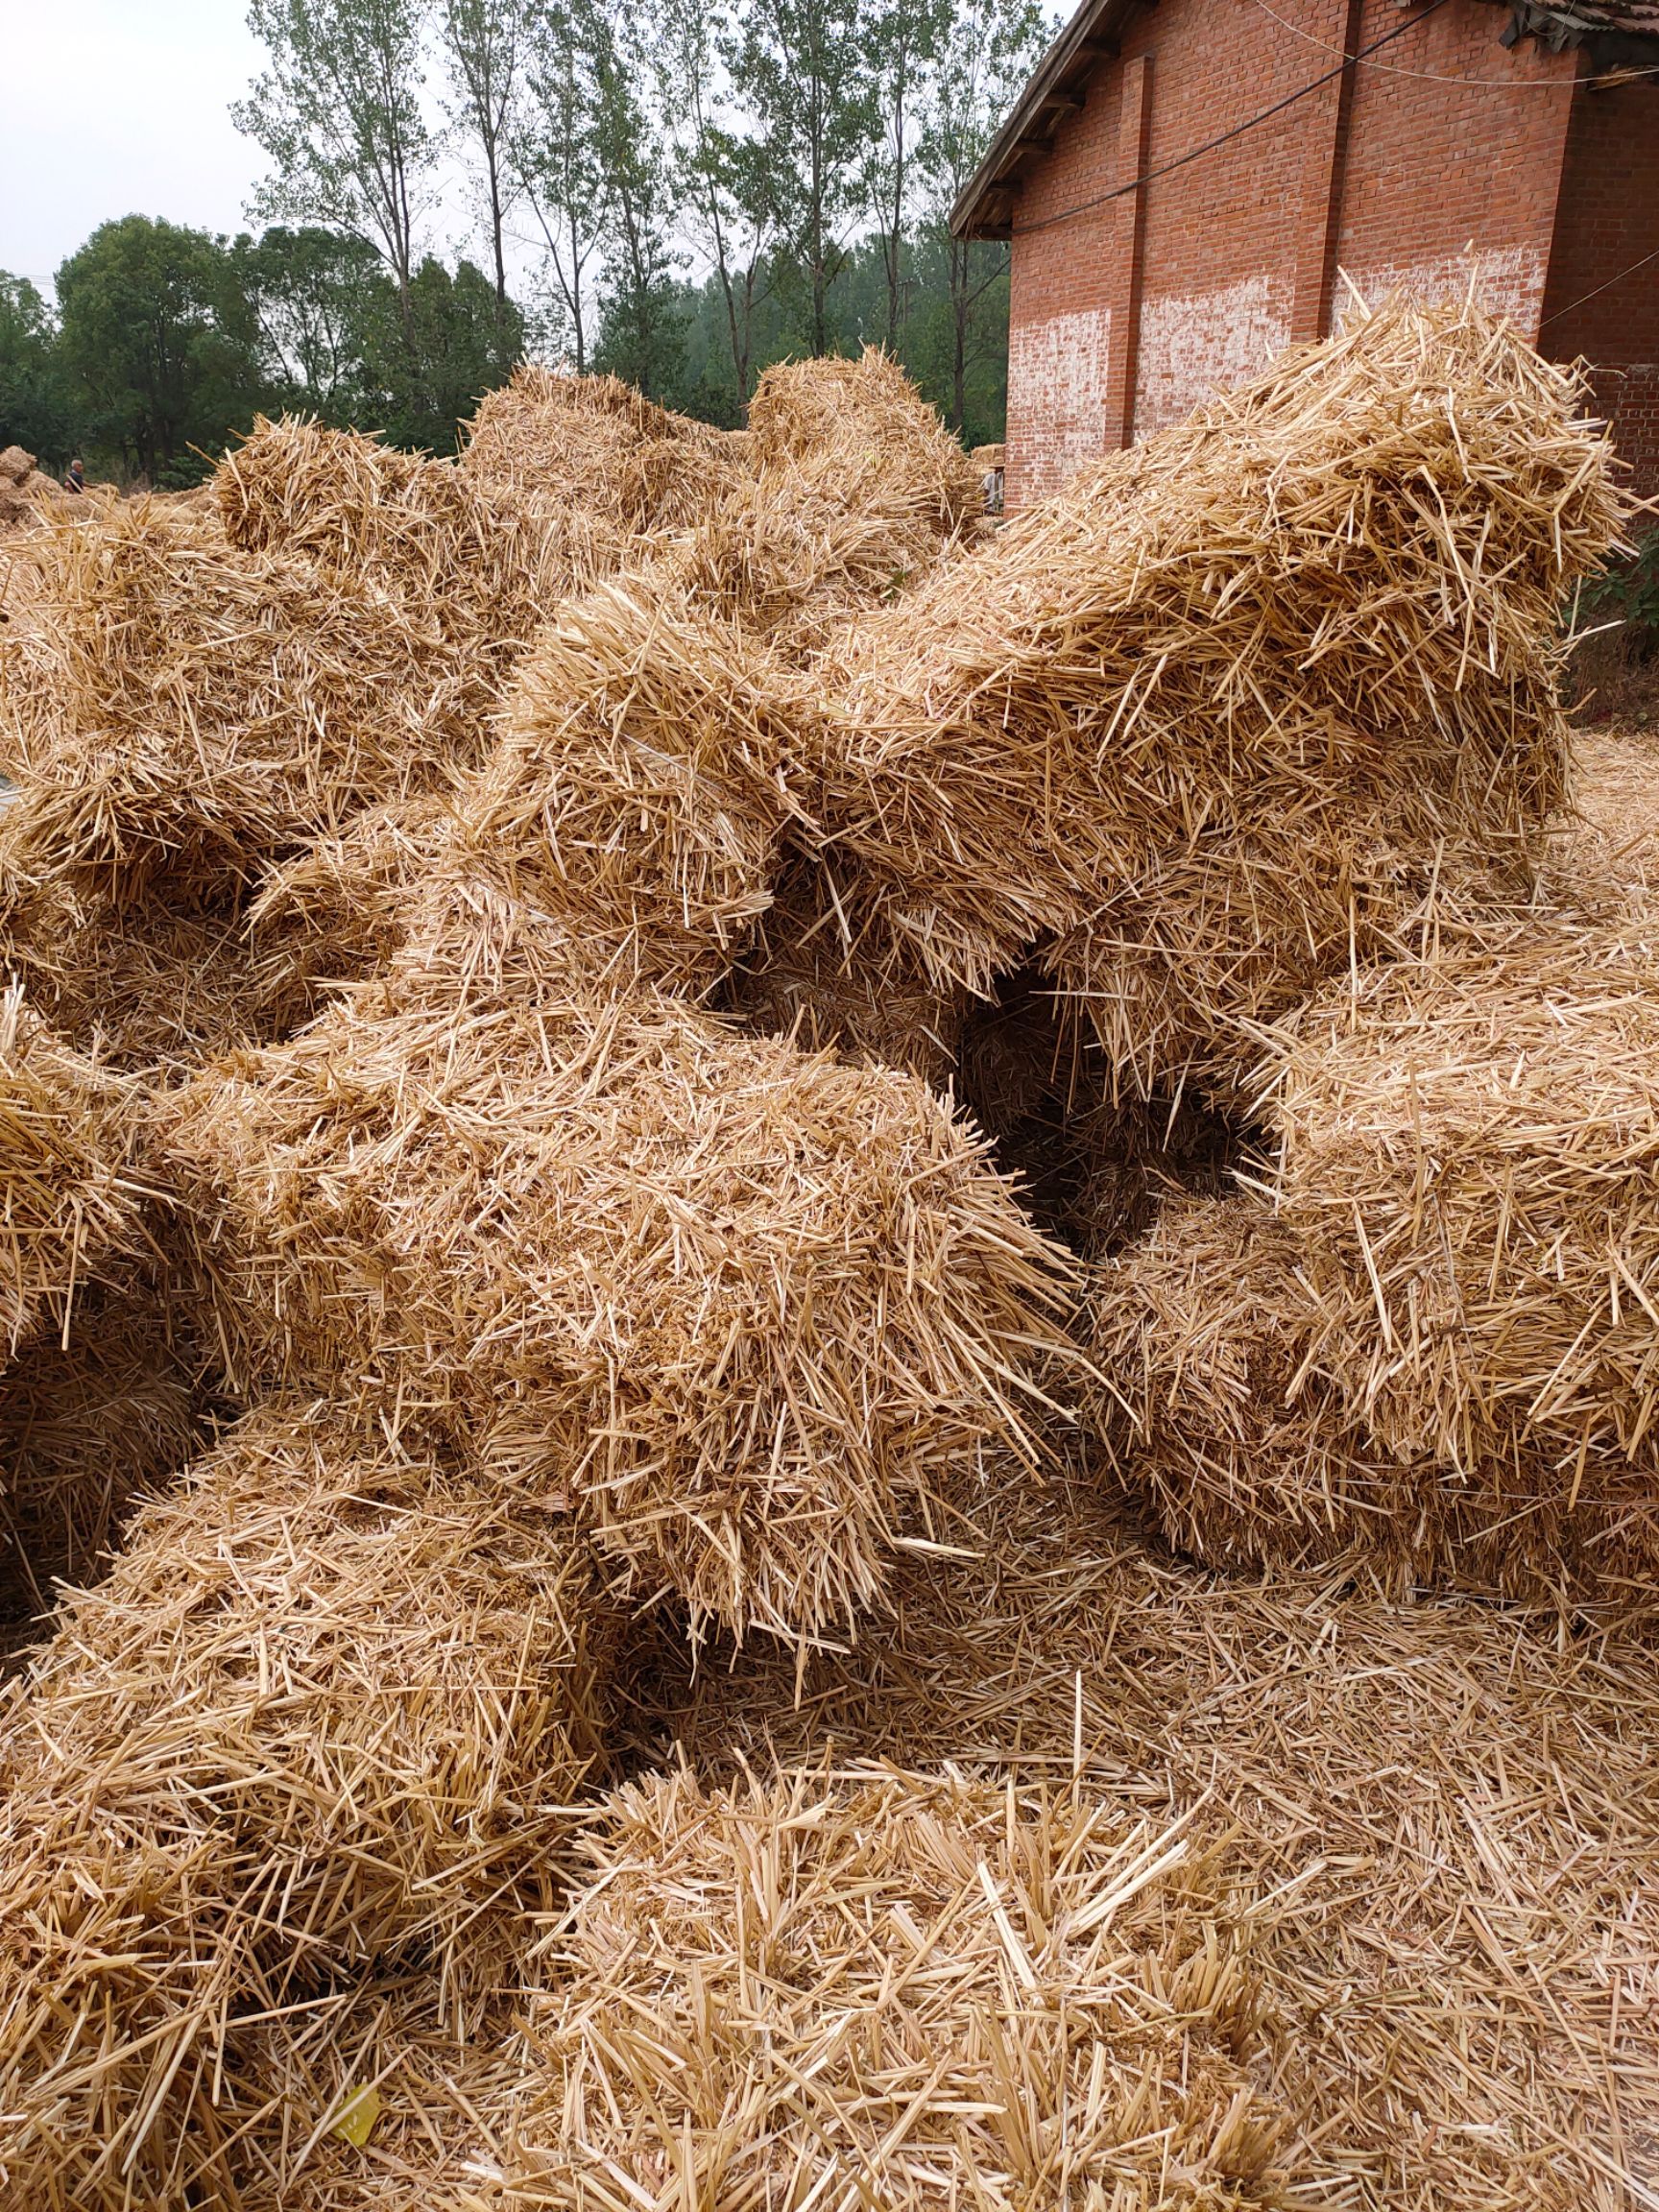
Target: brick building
(1459,139)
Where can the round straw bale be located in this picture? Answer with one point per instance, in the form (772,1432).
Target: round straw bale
(70,1208)
(203,709)
(1470,1152)
(749,1310)
(956,1992)
(638,790)
(1212,718)
(326,1709)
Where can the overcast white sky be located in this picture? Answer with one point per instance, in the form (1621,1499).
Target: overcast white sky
(126,113)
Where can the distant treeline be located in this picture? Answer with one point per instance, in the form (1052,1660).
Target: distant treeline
(678,191)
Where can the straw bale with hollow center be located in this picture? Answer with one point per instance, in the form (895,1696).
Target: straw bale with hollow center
(327,1708)
(1449,1804)
(70,1208)
(1211,719)
(1469,1147)
(746,1310)
(203,709)
(903,1988)
(593,446)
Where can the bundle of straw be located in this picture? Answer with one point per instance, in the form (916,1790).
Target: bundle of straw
(139,988)
(206,709)
(824,973)
(856,490)
(326,1709)
(897,1989)
(1211,720)
(1448,1804)
(1217,1410)
(638,790)
(593,445)
(70,1208)
(748,1309)
(484,567)
(1469,1147)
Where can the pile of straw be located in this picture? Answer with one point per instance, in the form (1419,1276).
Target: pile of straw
(856,491)
(485,568)
(593,446)
(70,1208)
(1450,1805)
(749,1311)
(1208,724)
(194,710)
(903,1989)
(328,1709)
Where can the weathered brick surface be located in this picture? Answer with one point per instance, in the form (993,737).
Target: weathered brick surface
(1524,184)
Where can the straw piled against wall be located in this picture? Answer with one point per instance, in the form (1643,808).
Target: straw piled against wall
(594,446)
(1212,718)
(746,1310)
(902,1988)
(327,1708)
(195,710)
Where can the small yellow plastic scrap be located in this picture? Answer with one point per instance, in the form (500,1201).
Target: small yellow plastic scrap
(354,2122)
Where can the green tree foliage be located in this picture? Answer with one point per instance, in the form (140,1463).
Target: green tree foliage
(313,294)
(40,407)
(157,335)
(427,369)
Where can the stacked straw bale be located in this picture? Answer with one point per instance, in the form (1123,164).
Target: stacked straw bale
(593,447)
(190,711)
(899,1988)
(328,1709)
(1211,721)
(748,1311)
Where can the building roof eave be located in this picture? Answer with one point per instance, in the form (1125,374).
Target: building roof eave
(984,206)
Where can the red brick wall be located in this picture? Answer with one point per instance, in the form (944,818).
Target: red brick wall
(1448,182)
(1238,246)
(1606,221)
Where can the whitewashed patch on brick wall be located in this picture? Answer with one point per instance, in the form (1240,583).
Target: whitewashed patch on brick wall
(1057,376)
(1508,280)
(1192,347)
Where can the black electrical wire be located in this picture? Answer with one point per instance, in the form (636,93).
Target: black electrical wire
(1118,191)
